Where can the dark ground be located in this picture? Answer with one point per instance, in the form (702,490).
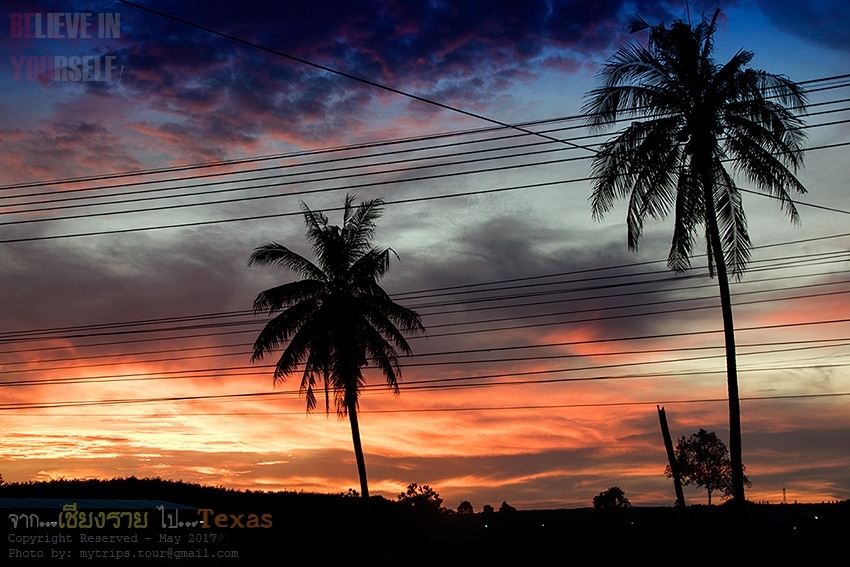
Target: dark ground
(317,529)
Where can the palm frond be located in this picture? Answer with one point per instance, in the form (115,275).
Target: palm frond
(765,169)
(361,222)
(637,24)
(638,164)
(387,361)
(283,326)
(688,217)
(732,222)
(391,320)
(728,76)
(369,267)
(283,296)
(277,254)
(626,85)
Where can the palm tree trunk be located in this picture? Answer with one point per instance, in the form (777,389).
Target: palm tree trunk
(358,449)
(735,448)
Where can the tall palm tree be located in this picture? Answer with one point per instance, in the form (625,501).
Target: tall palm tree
(337,319)
(697,117)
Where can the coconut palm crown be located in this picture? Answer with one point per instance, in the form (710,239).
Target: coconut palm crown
(698,126)
(336,319)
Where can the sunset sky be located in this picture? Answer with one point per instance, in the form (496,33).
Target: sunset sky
(129,206)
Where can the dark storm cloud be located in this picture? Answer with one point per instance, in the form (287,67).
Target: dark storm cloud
(459,53)
(214,97)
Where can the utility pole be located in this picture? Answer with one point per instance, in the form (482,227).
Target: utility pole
(671,457)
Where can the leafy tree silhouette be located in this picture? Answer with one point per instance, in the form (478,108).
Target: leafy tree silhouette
(703,461)
(506,508)
(610,499)
(421,498)
(465,508)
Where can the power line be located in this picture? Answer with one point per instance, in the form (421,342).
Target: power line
(592,283)
(419,386)
(362,80)
(793,346)
(479,408)
(302,192)
(316,190)
(255,217)
(320,166)
(208,320)
(78,357)
(351,76)
(256,370)
(371,145)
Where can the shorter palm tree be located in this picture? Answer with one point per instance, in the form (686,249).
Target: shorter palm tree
(337,319)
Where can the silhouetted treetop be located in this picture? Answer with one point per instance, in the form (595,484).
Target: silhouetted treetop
(612,498)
